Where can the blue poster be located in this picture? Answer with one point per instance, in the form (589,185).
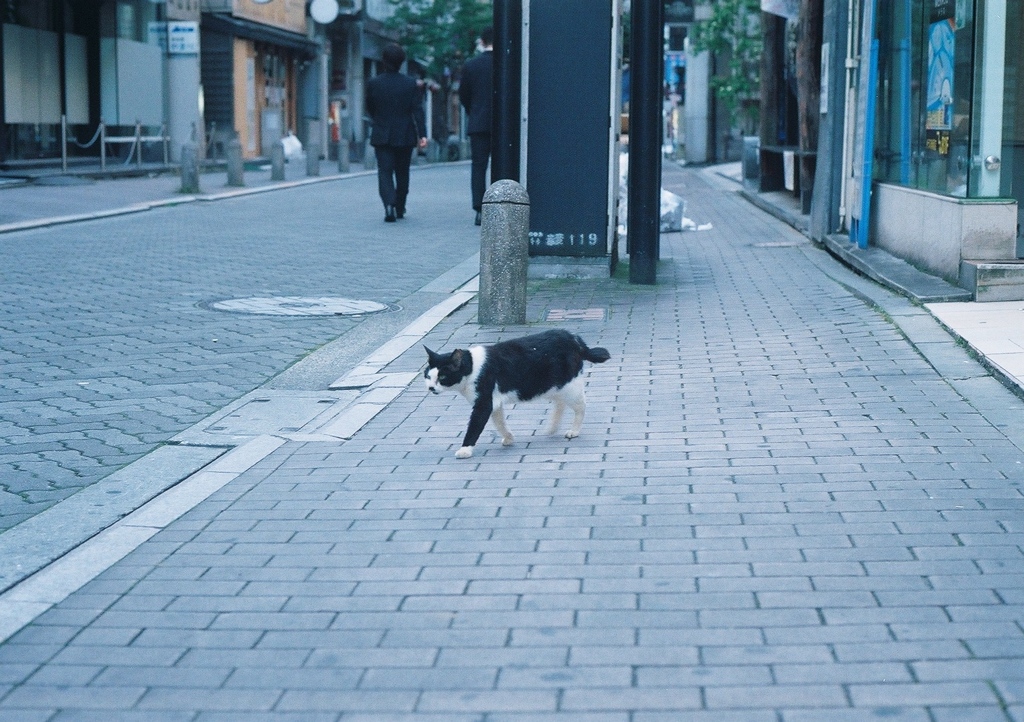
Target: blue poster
(941,46)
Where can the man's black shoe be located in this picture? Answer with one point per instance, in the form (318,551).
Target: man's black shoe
(389,214)
(478,220)
(399,212)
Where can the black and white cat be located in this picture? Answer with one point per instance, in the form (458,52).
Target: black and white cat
(543,366)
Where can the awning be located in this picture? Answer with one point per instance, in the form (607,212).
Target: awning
(242,28)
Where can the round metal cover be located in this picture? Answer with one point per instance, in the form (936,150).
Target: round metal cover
(299,306)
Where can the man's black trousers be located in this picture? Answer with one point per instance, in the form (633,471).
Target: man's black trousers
(393,174)
(480,148)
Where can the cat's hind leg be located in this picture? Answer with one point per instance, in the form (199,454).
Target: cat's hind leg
(498,417)
(556,415)
(578,403)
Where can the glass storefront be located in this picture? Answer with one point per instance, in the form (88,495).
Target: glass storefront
(950,74)
(925,75)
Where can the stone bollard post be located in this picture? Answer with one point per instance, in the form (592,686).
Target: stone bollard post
(343,159)
(189,168)
(277,162)
(504,249)
(312,160)
(369,157)
(236,173)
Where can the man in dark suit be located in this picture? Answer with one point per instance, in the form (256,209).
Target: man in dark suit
(476,97)
(395,107)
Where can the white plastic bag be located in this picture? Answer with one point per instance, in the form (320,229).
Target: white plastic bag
(672,209)
(292,146)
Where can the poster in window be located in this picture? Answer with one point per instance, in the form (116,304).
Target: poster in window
(939,119)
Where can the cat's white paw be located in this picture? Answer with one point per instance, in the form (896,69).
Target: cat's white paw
(464,453)
(552,430)
(508,440)
(571,434)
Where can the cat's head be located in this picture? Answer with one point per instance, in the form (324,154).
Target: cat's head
(447,369)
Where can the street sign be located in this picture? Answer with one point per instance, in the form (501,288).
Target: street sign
(183,37)
(570,127)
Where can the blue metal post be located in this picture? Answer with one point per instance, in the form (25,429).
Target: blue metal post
(905,96)
(869,149)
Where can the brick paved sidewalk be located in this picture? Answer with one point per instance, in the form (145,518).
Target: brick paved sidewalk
(778,510)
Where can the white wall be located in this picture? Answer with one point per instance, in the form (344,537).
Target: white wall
(31,75)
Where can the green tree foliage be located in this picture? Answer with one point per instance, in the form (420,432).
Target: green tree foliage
(733,33)
(439,33)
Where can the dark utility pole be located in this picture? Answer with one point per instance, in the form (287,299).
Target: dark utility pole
(508,57)
(643,221)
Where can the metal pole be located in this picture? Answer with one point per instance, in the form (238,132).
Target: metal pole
(103,145)
(64,143)
(643,220)
(138,142)
(507,86)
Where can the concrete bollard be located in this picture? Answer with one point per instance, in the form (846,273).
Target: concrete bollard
(343,159)
(236,172)
(277,162)
(504,250)
(369,157)
(189,168)
(312,160)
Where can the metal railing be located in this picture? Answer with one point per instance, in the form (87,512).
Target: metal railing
(101,135)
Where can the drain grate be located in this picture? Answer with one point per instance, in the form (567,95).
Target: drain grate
(299,306)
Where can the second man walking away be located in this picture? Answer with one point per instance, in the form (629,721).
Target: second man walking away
(475,94)
(395,107)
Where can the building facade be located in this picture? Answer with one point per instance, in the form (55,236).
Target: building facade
(79,62)
(923,133)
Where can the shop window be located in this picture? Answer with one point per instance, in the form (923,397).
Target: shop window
(925,77)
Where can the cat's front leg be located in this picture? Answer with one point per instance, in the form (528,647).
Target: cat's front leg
(477,420)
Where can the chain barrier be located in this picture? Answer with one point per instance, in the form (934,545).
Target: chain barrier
(95,137)
(135,150)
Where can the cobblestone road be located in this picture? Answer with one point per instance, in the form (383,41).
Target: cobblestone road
(107,346)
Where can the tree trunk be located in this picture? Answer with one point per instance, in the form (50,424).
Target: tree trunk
(773,30)
(771,77)
(808,81)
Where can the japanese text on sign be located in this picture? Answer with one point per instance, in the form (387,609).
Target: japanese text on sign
(563,240)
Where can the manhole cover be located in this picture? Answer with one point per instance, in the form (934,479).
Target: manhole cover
(299,306)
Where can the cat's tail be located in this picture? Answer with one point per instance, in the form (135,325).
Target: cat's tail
(596,355)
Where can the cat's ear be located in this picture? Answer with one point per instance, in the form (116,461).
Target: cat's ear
(457,357)
(431,356)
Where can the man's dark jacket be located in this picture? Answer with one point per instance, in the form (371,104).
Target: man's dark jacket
(396,110)
(475,92)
